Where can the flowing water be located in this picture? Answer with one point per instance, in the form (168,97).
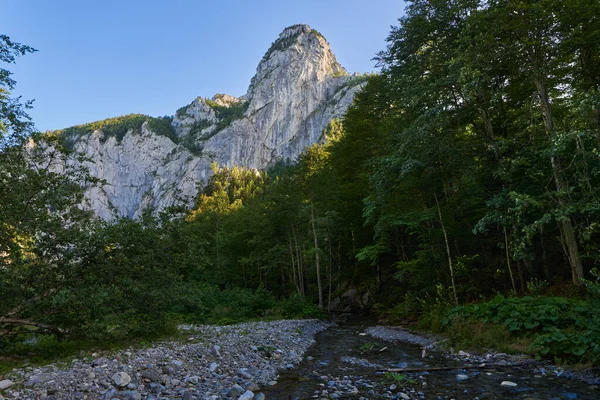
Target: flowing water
(342,365)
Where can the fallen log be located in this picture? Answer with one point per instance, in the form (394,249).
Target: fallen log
(21,322)
(468,366)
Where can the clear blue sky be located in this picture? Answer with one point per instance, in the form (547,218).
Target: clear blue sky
(103,58)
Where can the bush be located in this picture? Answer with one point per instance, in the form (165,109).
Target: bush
(557,327)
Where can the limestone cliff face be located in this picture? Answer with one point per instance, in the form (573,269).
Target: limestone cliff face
(298,88)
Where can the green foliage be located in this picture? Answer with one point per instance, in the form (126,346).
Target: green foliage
(115,127)
(281,44)
(163,126)
(368,347)
(399,378)
(227,114)
(558,327)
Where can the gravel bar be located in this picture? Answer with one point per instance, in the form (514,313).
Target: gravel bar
(210,362)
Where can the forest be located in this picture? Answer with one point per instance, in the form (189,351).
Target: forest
(460,193)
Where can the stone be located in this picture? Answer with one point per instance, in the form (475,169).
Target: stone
(253,387)
(121,379)
(461,377)
(130,395)
(404,396)
(215,350)
(508,384)
(235,391)
(259,396)
(100,361)
(248,395)
(5,384)
(212,367)
(463,354)
(151,375)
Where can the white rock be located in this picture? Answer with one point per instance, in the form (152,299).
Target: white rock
(508,384)
(5,384)
(248,395)
(461,377)
(121,379)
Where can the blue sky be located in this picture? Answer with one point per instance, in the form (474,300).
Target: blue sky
(103,58)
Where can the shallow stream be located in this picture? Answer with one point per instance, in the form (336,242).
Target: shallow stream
(343,364)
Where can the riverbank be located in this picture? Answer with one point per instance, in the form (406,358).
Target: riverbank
(209,362)
(349,361)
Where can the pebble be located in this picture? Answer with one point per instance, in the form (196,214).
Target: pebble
(461,377)
(178,370)
(508,384)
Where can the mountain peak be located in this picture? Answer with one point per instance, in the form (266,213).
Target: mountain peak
(298,52)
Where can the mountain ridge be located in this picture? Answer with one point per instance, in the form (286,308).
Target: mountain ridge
(147,162)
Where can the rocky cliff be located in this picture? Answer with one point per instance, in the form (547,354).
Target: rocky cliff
(298,88)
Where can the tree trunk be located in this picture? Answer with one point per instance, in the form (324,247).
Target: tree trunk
(294,279)
(447,250)
(568,233)
(317,261)
(512,278)
(299,261)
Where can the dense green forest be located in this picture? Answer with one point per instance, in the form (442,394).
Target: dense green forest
(461,190)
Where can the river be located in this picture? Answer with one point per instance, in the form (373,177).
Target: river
(344,361)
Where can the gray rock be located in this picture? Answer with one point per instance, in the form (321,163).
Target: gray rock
(109,395)
(253,387)
(212,367)
(121,379)
(461,377)
(235,391)
(259,396)
(130,395)
(248,395)
(151,375)
(5,384)
(100,361)
(508,384)
(215,350)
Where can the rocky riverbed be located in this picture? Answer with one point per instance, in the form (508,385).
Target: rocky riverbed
(349,361)
(210,362)
(296,360)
